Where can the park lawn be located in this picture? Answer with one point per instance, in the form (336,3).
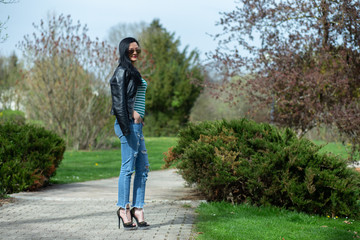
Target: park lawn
(226,221)
(79,166)
(336,148)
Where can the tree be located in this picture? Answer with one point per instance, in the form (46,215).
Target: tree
(171,94)
(303,55)
(10,76)
(67,82)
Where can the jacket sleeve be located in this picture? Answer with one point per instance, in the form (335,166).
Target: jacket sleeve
(119,100)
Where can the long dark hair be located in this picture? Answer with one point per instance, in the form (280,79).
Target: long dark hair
(124,60)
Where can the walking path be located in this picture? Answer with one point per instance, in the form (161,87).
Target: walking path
(88,211)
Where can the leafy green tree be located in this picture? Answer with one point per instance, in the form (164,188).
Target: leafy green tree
(170,94)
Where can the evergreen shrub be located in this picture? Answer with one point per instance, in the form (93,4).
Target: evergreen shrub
(29,156)
(13,116)
(243,161)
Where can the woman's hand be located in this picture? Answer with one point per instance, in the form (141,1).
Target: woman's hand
(137,118)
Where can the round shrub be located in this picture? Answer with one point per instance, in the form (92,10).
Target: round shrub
(29,156)
(243,161)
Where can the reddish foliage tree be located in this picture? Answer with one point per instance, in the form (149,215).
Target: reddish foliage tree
(303,59)
(66,82)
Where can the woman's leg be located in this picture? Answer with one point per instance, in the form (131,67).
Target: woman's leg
(129,151)
(141,172)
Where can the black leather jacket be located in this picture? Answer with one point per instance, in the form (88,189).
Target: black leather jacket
(123,93)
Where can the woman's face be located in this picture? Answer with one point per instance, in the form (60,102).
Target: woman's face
(134,51)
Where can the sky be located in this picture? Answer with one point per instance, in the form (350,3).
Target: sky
(191,20)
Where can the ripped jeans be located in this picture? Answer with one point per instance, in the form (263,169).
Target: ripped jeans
(134,158)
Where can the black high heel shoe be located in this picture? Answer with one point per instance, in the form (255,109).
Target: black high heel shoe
(127,226)
(142,224)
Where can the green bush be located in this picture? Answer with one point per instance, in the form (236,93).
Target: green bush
(29,156)
(243,161)
(15,117)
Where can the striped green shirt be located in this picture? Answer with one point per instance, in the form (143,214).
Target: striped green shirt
(140,99)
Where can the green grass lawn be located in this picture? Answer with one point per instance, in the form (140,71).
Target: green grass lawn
(226,221)
(79,166)
(337,148)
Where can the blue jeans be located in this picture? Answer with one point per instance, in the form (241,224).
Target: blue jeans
(134,158)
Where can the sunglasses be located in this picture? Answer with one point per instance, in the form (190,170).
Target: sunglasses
(131,51)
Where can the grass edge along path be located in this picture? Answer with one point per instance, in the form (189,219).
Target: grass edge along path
(221,220)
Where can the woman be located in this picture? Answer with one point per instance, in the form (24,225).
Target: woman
(128,105)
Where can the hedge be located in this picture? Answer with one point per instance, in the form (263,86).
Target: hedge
(243,161)
(29,156)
